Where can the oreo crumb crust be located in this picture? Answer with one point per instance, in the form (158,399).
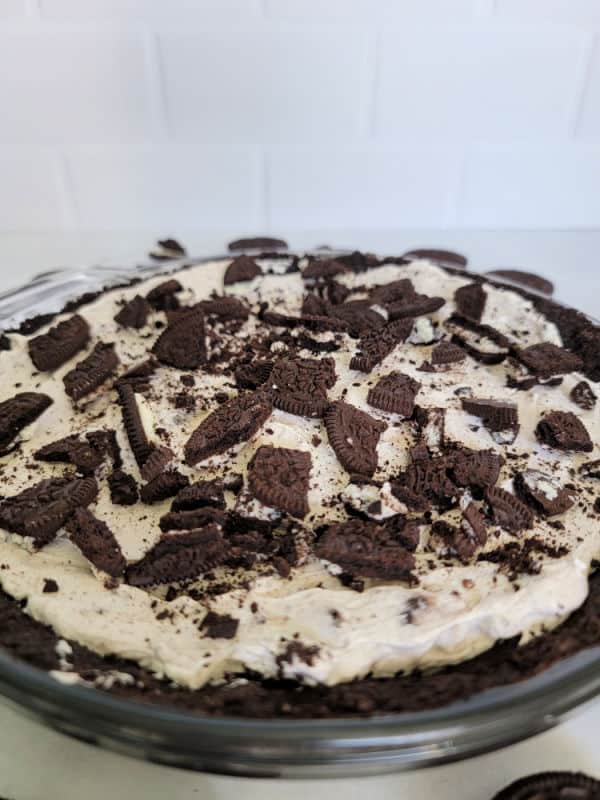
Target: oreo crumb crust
(476,516)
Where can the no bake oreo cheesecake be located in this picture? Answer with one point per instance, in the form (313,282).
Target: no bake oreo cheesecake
(301,485)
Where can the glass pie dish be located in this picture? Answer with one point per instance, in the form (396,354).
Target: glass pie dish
(278,747)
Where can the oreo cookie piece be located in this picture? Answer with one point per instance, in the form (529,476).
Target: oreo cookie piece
(359,316)
(17,413)
(366,550)
(431,423)
(476,468)
(199,495)
(377,344)
(528,280)
(543,492)
(182,344)
(253,375)
(242,268)
(564,431)
(546,360)
(123,488)
(132,422)
(96,541)
(193,518)
(164,485)
(446,353)
(167,250)
(179,556)
(394,393)
(552,786)
(353,435)
(299,386)
(219,626)
(400,291)
(134,314)
(482,342)
(85,455)
(500,417)
(257,243)
(225,308)
(313,323)
(40,511)
(473,532)
(279,478)
(323,268)
(164,296)
(446,258)
(234,422)
(583,396)
(51,350)
(470,300)
(139,375)
(416,306)
(156,462)
(91,373)
(427,481)
(507,510)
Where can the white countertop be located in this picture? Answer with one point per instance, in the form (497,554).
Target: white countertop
(37,764)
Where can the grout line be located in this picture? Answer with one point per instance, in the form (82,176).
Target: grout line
(584,71)
(263,190)
(155,84)
(69,213)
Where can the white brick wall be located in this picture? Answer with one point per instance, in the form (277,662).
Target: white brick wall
(246,115)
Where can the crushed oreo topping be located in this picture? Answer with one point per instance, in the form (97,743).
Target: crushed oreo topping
(219,626)
(470,300)
(583,396)
(134,314)
(374,346)
(96,541)
(235,421)
(354,435)
(443,257)
(257,243)
(500,417)
(182,344)
(163,297)
(394,393)
(546,360)
(51,350)
(365,549)
(164,485)
(476,468)
(242,268)
(299,386)
(123,488)
(91,373)
(445,353)
(564,431)
(279,478)
(179,556)
(529,280)
(85,454)
(417,306)
(17,413)
(132,422)
(157,461)
(198,495)
(543,492)
(507,510)
(323,268)
(167,250)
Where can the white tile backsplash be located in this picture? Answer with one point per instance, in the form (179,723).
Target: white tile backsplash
(265,86)
(266,114)
(160,189)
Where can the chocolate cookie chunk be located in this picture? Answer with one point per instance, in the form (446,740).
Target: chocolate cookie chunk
(319,324)
(193,518)
(446,353)
(198,495)
(443,257)
(376,345)
(157,461)
(17,413)
(257,243)
(546,360)
(394,393)
(123,488)
(507,510)
(470,300)
(182,344)
(427,480)
(353,436)
(529,280)
(253,375)
(323,268)
(96,541)
(564,431)
(279,478)
(39,512)
(476,468)
(473,532)
(242,268)
(164,296)
(365,549)
(400,291)
(501,418)
(359,316)
(51,350)
(167,250)
(234,422)
(164,485)
(552,786)
(224,307)
(139,375)
(416,306)
(219,626)
(299,386)
(84,454)
(583,395)
(543,492)
(179,556)
(482,342)
(132,421)
(134,314)
(91,373)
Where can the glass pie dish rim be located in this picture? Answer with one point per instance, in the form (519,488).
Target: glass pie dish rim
(278,747)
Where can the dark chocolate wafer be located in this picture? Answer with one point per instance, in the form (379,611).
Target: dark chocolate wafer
(91,373)
(182,344)
(353,435)
(242,268)
(279,478)
(96,541)
(564,431)
(299,386)
(394,393)
(134,314)
(51,350)
(17,413)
